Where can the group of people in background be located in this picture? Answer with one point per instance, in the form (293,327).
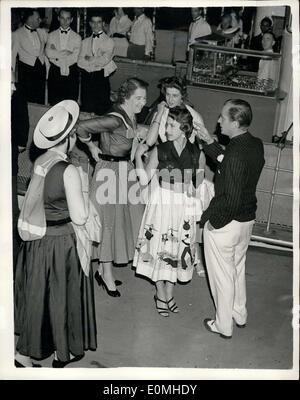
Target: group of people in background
(231,29)
(61,55)
(65,223)
(267,42)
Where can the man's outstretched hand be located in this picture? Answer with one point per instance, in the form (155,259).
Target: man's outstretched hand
(203,133)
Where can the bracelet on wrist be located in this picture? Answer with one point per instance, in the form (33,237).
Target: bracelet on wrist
(85,140)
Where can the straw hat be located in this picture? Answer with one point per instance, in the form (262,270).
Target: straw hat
(56,124)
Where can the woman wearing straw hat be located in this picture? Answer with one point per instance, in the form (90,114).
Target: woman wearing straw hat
(54,299)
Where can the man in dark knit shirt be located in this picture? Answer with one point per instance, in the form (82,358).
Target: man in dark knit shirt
(229,219)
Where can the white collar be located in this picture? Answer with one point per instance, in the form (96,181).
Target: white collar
(64,30)
(140,17)
(29,27)
(198,18)
(123,16)
(64,155)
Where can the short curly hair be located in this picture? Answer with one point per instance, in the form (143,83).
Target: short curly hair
(184,117)
(173,82)
(129,87)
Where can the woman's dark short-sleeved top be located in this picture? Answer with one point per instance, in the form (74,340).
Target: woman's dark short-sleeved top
(55,202)
(186,164)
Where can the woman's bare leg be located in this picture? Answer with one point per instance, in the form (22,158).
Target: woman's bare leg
(170,297)
(108,275)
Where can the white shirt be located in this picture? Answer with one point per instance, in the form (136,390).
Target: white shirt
(96,42)
(141,33)
(121,25)
(198,29)
(28,45)
(64,38)
(100,52)
(267,69)
(34,38)
(57,43)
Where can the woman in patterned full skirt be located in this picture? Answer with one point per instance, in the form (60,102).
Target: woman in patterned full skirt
(166,247)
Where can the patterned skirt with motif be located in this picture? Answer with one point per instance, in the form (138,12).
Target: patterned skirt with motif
(166,248)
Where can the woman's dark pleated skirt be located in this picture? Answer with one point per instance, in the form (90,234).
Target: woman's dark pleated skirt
(54,299)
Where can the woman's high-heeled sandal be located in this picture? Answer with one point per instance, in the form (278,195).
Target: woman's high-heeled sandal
(164,312)
(173,308)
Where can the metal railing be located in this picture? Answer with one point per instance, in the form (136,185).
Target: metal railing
(281,143)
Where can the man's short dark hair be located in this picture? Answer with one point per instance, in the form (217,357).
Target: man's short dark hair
(28,12)
(65,9)
(268,20)
(95,13)
(240,111)
(201,9)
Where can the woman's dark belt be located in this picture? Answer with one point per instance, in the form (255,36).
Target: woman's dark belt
(109,157)
(58,222)
(119,35)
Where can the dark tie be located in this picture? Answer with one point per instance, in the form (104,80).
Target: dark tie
(97,35)
(31,30)
(62,31)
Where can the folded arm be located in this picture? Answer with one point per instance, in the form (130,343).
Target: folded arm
(104,57)
(83,59)
(73,57)
(51,51)
(66,57)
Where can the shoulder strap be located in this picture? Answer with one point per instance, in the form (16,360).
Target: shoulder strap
(116,114)
(32,221)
